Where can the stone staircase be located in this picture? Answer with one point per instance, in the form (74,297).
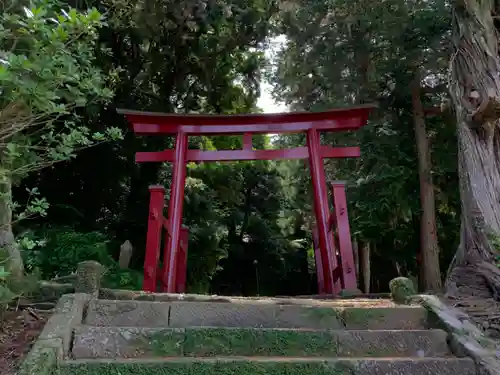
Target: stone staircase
(259,336)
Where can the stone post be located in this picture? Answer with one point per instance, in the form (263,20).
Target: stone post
(89,274)
(126,251)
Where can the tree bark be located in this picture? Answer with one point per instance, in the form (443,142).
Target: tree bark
(7,240)
(474,90)
(430,271)
(365,266)
(355,249)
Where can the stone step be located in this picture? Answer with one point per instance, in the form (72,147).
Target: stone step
(255,314)
(272,366)
(128,342)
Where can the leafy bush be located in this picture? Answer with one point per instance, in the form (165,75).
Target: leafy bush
(57,252)
(116,278)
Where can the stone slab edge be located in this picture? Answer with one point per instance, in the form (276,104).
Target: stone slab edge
(54,342)
(465,338)
(274,365)
(89,342)
(130,295)
(117,294)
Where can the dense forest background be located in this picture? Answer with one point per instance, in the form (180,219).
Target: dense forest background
(250,222)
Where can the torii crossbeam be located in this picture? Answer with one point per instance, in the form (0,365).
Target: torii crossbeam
(332,275)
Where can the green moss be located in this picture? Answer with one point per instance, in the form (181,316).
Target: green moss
(402,289)
(342,368)
(204,368)
(369,350)
(258,342)
(164,343)
(323,314)
(40,361)
(433,321)
(362,318)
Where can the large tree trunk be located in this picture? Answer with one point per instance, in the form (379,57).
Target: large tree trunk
(7,240)
(355,250)
(475,89)
(429,250)
(365,266)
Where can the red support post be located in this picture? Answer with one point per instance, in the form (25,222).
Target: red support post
(180,277)
(349,280)
(175,211)
(319,265)
(166,256)
(321,209)
(155,223)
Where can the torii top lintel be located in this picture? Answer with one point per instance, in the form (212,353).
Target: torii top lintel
(349,118)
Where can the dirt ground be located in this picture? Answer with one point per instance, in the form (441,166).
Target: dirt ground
(18,331)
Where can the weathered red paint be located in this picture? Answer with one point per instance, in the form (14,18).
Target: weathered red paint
(182,251)
(343,274)
(330,274)
(321,209)
(293,127)
(155,223)
(175,211)
(343,236)
(317,258)
(181,269)
(167,258)
(350,118)
(247,154)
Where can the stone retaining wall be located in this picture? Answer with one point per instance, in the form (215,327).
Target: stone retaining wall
(465,338)
(54,343)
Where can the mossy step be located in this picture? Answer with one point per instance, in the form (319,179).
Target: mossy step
(272,366)
(258,315)
(127,342)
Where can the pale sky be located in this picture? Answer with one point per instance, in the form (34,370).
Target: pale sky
(266,102)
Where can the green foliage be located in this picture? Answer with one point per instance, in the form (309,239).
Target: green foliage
(345,53)
(48,81)
(116,278)
(240,236)
(250,222)
(211,63)
(47,70)
(57,252)
(48,62)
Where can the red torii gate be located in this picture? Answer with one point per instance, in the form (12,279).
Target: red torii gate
(335,268)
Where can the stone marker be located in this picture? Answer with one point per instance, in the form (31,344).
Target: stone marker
(126,251)
(89,274)
(402,289)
